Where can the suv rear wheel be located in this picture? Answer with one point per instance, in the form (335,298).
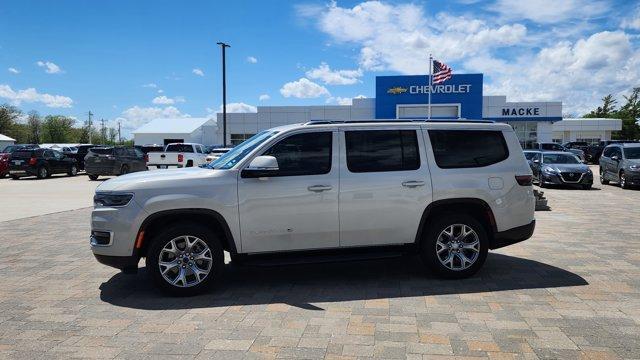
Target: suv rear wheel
(185,259)
(43,172)
(603,181)
(455,246)
(93,177)
(73,170)
(623,180)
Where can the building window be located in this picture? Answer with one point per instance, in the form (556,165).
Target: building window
(237,139)
(590,141)
(527,132)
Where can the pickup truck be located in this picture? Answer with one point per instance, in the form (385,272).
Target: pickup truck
(178,155)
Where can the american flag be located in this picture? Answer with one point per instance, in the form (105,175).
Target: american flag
(441,72)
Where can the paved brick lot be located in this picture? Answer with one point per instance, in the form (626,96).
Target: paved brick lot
(572,291)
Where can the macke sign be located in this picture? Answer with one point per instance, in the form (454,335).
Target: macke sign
(521,111)
(462,90)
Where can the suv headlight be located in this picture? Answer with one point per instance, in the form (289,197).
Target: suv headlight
(109,199)
(635,167)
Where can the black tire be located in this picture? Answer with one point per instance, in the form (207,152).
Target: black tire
(190,163)
(93,177)
(73,170)
(43,172)
(15,177)
(603,181)
(124,170)
(586,187)
(623,180)
(175,231)
(428,251)
(2,175)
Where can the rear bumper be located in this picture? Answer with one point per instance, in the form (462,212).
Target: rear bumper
(23,172)
(162,166)
(124,263)
(100,170)
(512,236)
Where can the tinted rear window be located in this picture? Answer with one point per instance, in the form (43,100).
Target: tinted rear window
(382,150)
(467,148)
(180,148)
(102,151)
(22,154)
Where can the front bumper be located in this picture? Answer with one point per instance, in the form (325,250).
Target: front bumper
(559,179)
(633,177)
(124,263)
(512,236)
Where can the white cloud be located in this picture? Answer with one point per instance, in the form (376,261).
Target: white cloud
(251,59)
(549,11)
(150,85)
(160,91)
(578,73)
(198,72)
(334,77)
(31,95)
(163,100)
(134,117)
(303,88)
(13,70)
(239,107)
(400,37)
(49,67)
(264,97)
(633,21)
(344,100)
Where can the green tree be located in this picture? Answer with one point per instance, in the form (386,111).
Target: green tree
(57,129)
(8,118)
(34,122)
(113,133)
(630,114)
(607,109)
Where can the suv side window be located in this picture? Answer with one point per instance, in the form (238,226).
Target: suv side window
(303,154)
(48,154)
(120,152)
(468,148)
(382,150)
(607,152)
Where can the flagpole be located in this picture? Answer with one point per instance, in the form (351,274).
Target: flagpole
(430,83)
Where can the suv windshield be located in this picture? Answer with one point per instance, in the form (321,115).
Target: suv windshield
(235,155)
(560,159)
(632,153)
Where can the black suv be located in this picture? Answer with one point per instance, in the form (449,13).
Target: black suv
(83,150)
(41,163)
(112,160)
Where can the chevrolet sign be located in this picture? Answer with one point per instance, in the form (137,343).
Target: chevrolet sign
(397,90)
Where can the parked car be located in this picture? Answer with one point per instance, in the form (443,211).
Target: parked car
(83,150)
(215,154)
(557,147)
(146,149)
(178,155)
(323,186)
(593,152)
(530,155)
(69,150)
(4,165)
(41,163)
(580,145)
(11,148)
(113,160)
(560,168)
(621,163)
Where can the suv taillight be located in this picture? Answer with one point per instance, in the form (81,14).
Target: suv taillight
(524,180)
(180,158)
(33,161)
(146,158)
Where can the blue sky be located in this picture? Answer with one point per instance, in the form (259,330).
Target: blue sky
(131,61)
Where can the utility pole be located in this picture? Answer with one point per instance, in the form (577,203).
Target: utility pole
(103,132)
(119,137)
(90,126)
(224,93)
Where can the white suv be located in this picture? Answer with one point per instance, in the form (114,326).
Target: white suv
(449,191)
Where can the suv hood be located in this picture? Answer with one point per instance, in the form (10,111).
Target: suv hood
(158,179)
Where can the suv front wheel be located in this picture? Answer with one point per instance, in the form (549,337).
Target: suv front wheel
(185,259)
(455,246)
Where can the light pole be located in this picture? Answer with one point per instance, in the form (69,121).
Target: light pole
(224,93)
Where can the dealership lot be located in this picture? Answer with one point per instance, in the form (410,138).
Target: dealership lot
(572,291)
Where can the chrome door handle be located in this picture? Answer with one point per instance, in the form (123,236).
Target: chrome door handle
(319,188)
(413,183)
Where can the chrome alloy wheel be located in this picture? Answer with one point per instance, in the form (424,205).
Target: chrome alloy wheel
(458,247)
(185,261)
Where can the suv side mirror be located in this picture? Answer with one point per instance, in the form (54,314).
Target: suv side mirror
(261,166)
(536,161)
(615,158)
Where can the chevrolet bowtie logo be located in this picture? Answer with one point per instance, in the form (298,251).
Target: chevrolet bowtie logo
(397,90)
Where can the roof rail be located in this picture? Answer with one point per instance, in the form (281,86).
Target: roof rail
(327,122)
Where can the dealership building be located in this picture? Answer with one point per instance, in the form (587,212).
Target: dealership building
(406,97)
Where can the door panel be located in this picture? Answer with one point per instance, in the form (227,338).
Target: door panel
(381,207)
(294,210)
